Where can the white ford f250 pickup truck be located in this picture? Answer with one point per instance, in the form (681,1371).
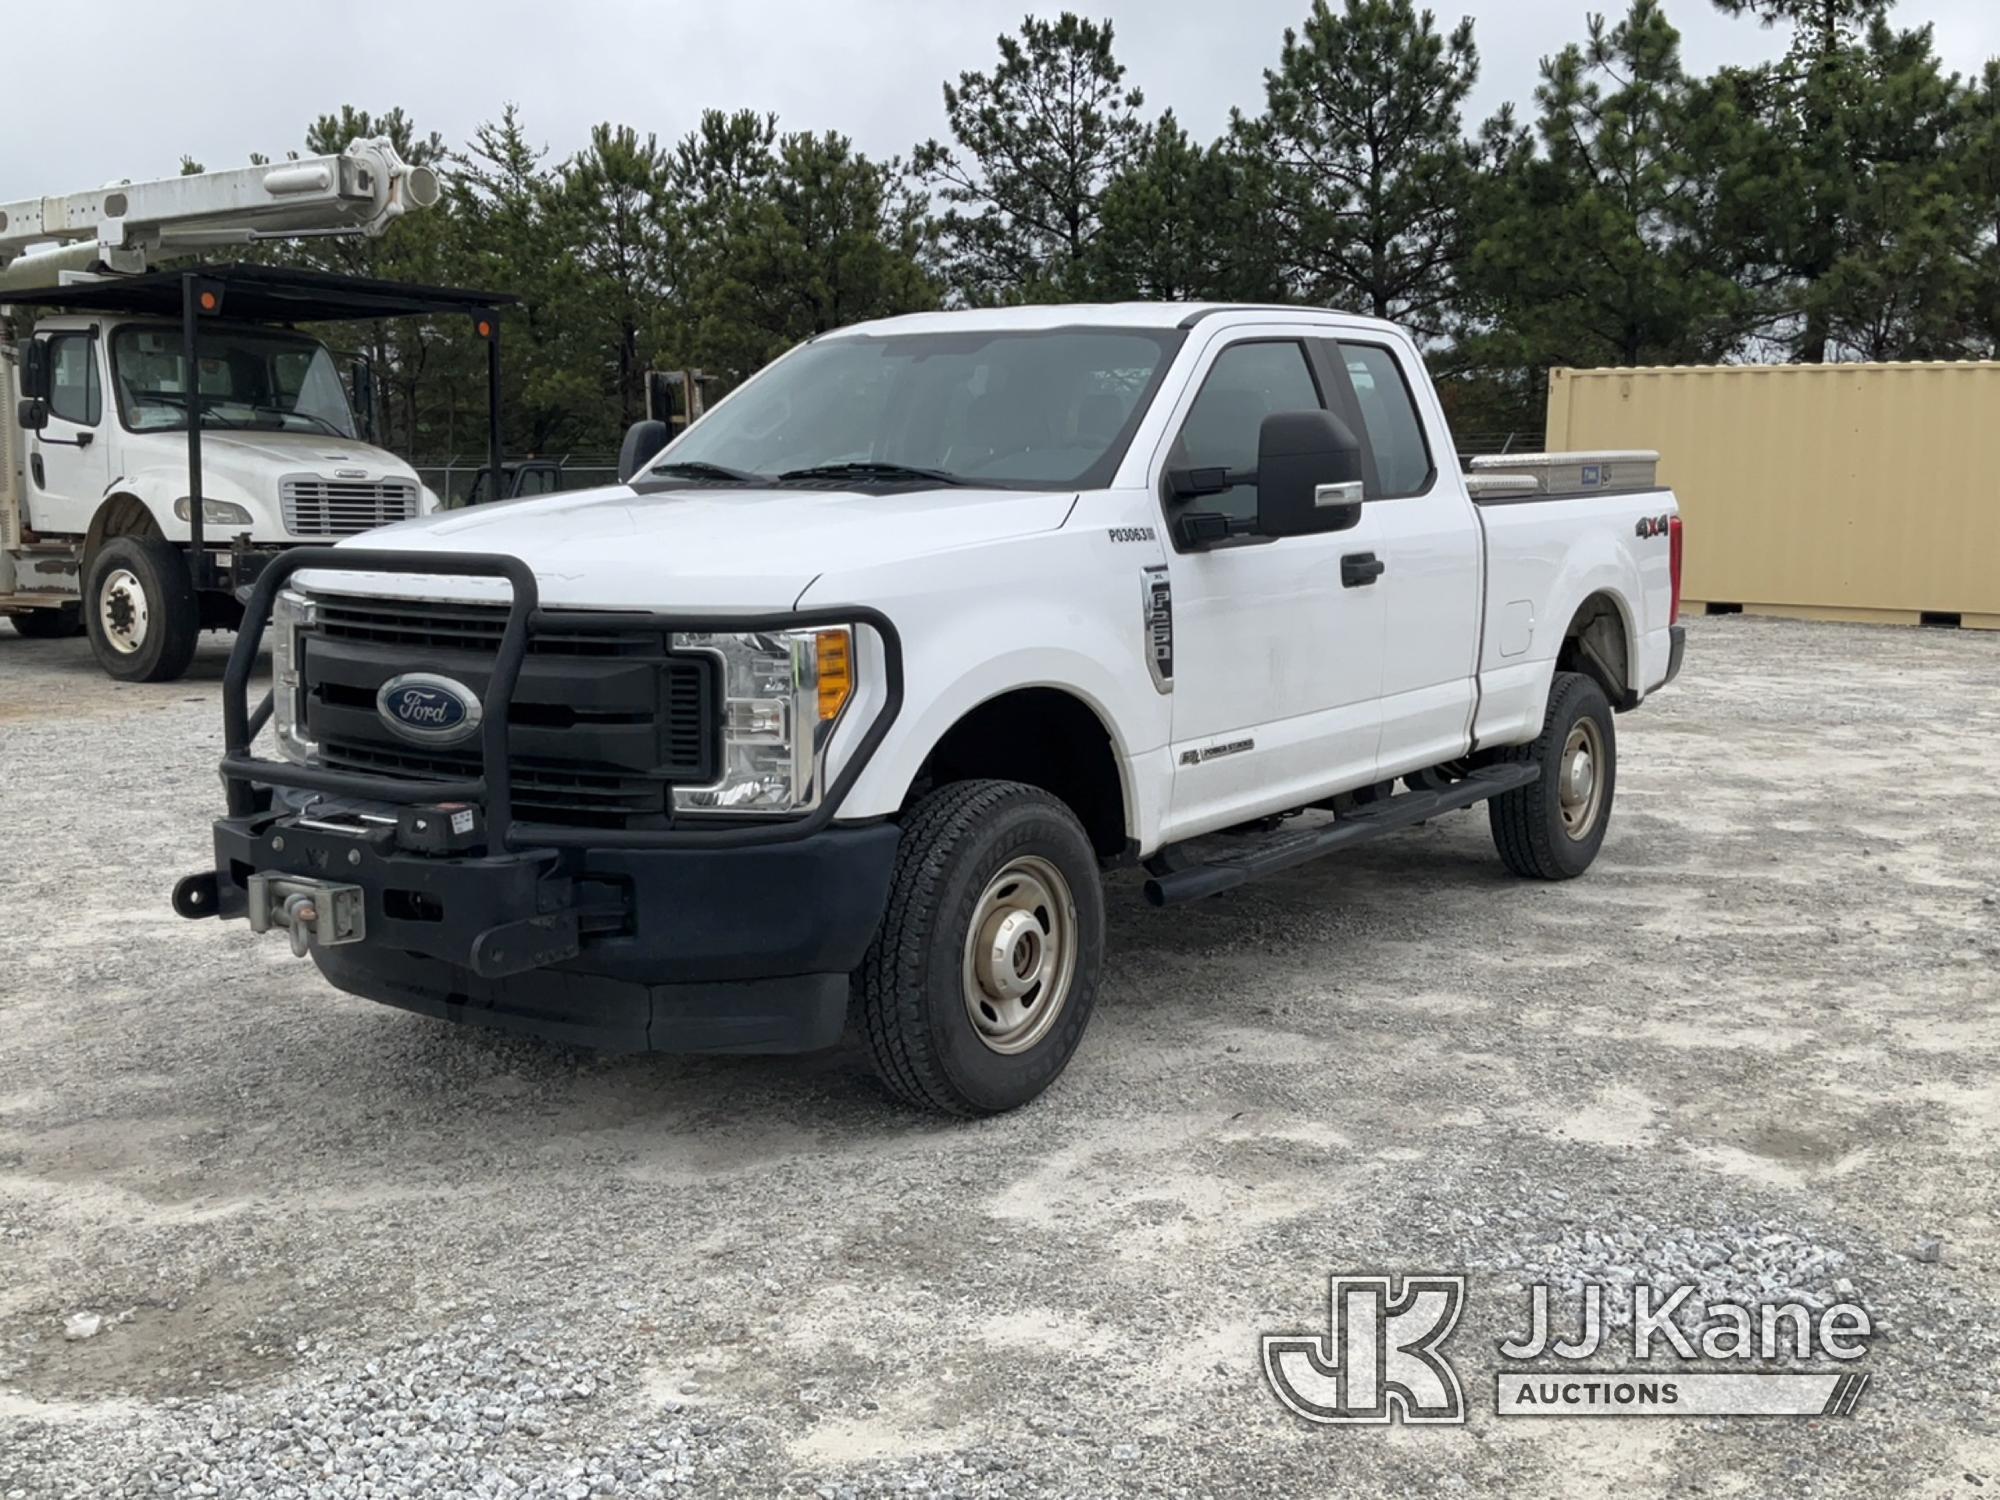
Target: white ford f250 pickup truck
(847,696)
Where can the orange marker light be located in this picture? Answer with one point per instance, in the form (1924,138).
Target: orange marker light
(485,329)
(208,302)
(836,672)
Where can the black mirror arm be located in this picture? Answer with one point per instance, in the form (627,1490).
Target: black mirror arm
(1204,528)
(1190,484)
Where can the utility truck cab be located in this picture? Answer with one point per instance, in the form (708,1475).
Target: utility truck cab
(838,707)
(125,393)
(106,459)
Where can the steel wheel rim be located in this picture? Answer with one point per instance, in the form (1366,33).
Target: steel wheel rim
(122,611)
(1580,778)
(1020,955)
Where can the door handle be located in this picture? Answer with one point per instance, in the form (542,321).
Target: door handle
(1359,569)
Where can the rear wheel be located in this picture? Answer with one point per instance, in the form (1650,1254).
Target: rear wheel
(50,624)
(1552,828)
(141,608)
(978,986)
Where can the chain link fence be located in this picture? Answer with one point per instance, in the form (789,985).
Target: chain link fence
(463,479)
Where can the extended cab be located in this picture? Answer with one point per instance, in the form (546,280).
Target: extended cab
(845,698)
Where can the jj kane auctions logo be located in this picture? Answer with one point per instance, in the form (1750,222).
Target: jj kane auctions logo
(1382,1357)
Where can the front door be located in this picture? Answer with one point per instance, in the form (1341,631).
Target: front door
(1278,665)
(67,464)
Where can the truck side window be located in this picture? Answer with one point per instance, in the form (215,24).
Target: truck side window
(1246,384)
(74,393)
(1402,456)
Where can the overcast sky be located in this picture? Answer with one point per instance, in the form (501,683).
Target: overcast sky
(149,81)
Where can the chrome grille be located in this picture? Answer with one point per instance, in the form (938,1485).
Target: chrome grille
(343,507)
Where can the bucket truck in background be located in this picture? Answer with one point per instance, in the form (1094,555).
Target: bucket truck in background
(164,434)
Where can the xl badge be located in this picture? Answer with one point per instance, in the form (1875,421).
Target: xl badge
(429,709)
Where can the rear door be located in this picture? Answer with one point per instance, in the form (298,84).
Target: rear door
(1427,538)
(1278,666)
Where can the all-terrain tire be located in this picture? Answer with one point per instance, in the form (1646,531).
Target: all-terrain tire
(141,609)
(916,993)
(49,624)
(1539,832)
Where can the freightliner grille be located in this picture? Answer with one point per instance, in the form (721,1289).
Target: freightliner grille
(340,507)
(603,723)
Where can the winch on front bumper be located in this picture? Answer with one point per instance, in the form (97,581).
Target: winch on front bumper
(427,894)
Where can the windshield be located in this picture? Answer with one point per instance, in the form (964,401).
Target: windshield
(273,382)
(1052,409)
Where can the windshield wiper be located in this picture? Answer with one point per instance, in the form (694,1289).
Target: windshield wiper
(281,412)
(872,469)
(696,469)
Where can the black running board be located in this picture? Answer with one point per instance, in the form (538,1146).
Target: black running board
(1284,851)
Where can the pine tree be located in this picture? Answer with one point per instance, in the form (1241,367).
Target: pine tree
(506,222)
(1841,206)
(1184,222)
(1598,248)
(1370,170)
(1975,159)
(822,238)
(610,210)
(1036,141)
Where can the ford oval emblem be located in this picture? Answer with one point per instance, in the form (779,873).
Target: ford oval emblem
(429,709)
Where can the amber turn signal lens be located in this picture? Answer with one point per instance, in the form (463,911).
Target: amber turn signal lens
(835,650)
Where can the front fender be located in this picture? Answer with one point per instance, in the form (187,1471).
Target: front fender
(158,486)
(1051,610)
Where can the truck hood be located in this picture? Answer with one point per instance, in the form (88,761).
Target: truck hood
(728,550)
(250,460)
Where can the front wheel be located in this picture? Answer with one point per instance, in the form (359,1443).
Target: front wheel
(979,983)
(1552,828)
(140,606)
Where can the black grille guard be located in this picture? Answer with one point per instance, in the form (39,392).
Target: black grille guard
(243,772)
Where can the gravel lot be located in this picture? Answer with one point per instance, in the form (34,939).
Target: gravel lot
(340,1250)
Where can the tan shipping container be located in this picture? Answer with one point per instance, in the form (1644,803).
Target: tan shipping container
(1849,492)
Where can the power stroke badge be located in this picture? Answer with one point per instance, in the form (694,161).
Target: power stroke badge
(1383,1356)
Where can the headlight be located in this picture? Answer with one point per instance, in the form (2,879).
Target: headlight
(291,616)
(782,693)
(213,512)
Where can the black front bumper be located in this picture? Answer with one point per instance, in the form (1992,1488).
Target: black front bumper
(741,949)
(722,935)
